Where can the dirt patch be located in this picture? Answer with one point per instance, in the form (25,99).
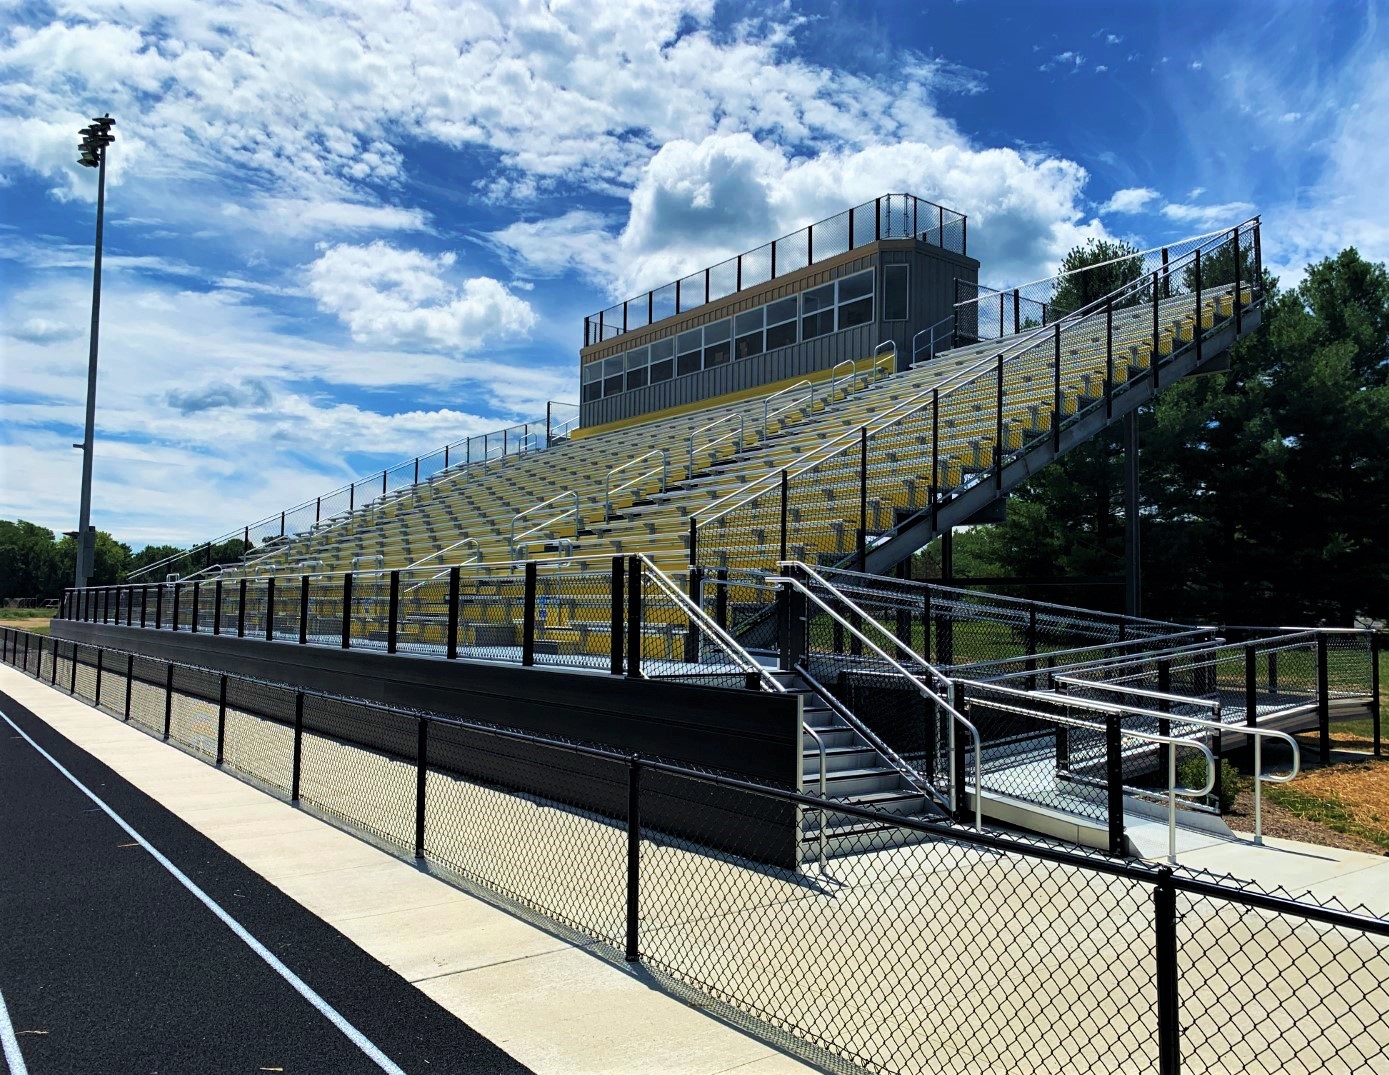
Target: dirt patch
(38,625)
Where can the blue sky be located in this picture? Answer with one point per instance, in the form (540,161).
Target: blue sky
(341,234)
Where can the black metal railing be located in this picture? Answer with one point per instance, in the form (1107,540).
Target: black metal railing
(892,216)
(997,953)
(987,313)
(628,619)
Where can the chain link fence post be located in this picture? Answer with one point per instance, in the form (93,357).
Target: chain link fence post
(1323,702)
(1165,955)
(347,610)
(1114,782)
(633,950)
(221,719)
(634,635)
(168,699)
(615,626)
(298,746)
(421,783)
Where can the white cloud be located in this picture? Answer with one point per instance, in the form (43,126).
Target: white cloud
(1208,216)
(313,104)
(1129,200)
(699,203)
(403,298)
(1069,61)
(201,390)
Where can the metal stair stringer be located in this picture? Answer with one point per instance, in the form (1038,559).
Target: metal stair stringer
(887,550)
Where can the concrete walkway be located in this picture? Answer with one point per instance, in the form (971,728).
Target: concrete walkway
(552,1005)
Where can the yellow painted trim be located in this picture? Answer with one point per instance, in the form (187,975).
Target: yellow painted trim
(720,401)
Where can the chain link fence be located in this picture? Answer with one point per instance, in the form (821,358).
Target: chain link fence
(917,947)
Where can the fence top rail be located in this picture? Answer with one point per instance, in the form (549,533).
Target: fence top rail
(1094,861)
(1138,692)
(1128,643)
(1017,345)
(481,571)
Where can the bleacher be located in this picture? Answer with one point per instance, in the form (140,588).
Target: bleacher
(636,488)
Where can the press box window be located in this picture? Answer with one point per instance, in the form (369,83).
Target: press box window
(636,368)
(662,361)
(896,303)
(748,328)
(817,312)
(717,343)
(781,324)
(593,382)
(855,300)
(689,349)
(612,375)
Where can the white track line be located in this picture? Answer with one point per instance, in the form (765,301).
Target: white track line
(13,1057)
(300,986)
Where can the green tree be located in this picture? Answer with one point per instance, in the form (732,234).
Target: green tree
(1096,268)
(29,562)
(1264,487)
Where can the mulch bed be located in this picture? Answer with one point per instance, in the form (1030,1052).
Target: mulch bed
(1358,787)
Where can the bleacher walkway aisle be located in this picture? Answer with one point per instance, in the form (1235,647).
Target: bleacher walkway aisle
(109,963)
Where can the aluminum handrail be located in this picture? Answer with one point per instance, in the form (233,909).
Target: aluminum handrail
(477,550)
(1021,603)
(1256,733)
(568,494)
(808,398)
(931,342)
(735,435)
(911,654)
(1128,642)
(707,624)
(609,490)
(819,742)
(1021,343)
(922,689)
(1173,742)
(477,558)
(873,372)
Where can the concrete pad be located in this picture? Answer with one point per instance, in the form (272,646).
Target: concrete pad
(228,820)
(313,851)
(1290,864)
(560,1011)
(1368,887)
(377,888)
(430,942)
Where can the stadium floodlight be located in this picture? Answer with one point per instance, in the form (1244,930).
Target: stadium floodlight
(95,138)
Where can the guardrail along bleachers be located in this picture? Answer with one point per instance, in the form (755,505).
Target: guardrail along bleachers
(845,482)
(465,514)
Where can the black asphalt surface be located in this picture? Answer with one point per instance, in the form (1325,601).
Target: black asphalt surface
(109,966)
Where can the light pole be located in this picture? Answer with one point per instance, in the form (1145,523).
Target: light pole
(95,139)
